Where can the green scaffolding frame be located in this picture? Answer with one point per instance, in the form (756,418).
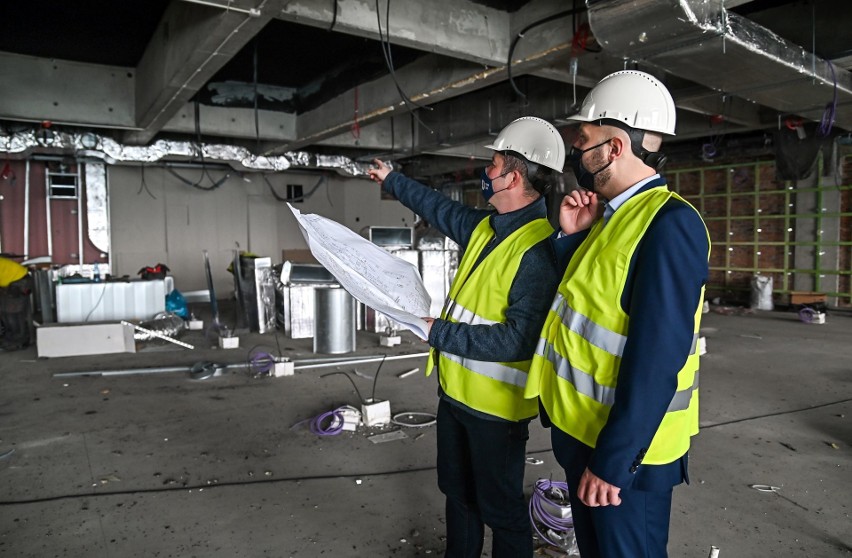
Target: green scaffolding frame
(784,275)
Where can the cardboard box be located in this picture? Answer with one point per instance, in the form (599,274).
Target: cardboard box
(807,297)
(298,256)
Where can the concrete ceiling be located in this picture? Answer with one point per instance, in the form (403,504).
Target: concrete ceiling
(276,76)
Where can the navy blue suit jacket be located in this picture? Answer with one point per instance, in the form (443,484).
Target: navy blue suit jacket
(662,293)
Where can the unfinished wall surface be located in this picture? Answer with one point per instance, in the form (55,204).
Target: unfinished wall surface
(797,232)
(156,217)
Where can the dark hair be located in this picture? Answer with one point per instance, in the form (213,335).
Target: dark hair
(537,178)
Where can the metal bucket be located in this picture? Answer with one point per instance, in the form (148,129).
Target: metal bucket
(334,321)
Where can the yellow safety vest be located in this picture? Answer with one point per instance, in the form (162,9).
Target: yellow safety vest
(481,296)
(575,366)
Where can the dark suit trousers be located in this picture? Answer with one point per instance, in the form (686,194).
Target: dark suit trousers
(481,472)
(637,528)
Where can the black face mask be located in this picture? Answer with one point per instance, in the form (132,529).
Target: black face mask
(585,177)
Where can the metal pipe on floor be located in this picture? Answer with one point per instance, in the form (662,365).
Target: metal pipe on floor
(154,370)
(125,372)
(360,361)
(305,364)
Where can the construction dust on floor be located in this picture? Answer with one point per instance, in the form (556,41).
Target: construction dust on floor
(160,464)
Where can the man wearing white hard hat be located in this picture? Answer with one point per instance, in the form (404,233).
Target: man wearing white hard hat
(482,344)
(616,368)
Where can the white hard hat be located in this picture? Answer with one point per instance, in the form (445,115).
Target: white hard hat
(536,140)
(633,98)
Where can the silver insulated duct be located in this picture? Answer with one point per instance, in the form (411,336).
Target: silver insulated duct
(701,41)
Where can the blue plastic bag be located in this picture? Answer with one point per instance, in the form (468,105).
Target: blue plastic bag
(176,304)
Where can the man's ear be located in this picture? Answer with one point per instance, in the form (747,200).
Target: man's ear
(517,178)
(617,144)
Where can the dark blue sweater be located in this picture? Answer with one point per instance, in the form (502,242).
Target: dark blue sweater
(531,292)
(663,287)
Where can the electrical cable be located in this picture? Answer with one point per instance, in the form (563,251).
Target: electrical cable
(144,185)
(520,36)
(376,377)
(830,113)
(431,419)
(808,314)
(555,493)
(348,377)
(260,362)
(334,427)
(303,197)
(254,79)
(779,413)
(206,486)
(97,303)
(355,130)
(204,172)
(388,56)
(333,16)
(197,184)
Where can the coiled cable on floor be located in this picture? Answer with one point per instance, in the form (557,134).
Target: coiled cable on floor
(260,361)
(318,425)
(414,419)
(333,428)
(547,497)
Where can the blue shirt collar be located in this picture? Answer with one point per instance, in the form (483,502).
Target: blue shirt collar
(616,202)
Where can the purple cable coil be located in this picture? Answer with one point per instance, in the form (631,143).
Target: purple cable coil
(334,427)
(261,362)
(807,314)
(538,514)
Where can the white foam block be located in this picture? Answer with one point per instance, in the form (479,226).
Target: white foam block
(87,339)
(376,413)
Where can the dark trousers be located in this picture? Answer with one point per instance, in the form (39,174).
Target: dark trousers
(481,472)
(637,528)
(15,314)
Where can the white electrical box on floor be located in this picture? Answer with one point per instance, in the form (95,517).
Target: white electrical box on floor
(229,342)
(375,413)
(818,318)
(283,368)
(84,339)
(390,340)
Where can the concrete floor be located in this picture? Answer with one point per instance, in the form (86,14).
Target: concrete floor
(161,465)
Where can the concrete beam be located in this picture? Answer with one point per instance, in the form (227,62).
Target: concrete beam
(191,43)
(426,81)
(74,93)
(234,123)
(457,28)
(712,103)
(390,134)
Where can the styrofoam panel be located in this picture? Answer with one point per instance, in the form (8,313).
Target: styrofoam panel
(109,301)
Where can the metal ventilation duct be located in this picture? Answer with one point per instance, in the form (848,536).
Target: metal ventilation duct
(701,41)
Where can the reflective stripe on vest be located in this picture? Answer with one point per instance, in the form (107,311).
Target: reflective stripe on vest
(461,314)
(576,366)
(596,334)
(605,395)
(480,296)
(493,370)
